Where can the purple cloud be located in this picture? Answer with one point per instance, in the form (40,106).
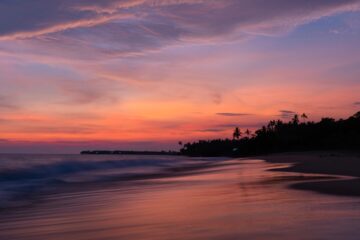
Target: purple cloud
(286,113)
(87,92)
(211,130)
(231,114)
(7,103)
(123,27)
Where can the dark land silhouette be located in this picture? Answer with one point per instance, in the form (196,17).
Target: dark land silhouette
(279,136)
(127,152)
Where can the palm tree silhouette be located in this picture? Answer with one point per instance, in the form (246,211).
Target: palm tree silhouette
(278,136)
(304,117)
(237,133)
(295,119)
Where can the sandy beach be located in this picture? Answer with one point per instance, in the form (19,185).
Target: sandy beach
(226,199)
(341,163)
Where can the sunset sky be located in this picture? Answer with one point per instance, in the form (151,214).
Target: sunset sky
(145,74)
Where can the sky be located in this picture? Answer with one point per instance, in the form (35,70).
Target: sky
(145,74)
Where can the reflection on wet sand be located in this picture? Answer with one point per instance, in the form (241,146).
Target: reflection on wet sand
(233,202)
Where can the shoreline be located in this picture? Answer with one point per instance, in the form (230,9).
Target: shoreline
(342,168)
(228,199)
(31,198)
(336,163)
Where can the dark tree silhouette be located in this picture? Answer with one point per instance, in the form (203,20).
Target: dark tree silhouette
(295,119)
(304,117)
(279,136)
(237,133)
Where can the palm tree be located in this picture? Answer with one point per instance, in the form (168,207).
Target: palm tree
(295,119)
(237,133)
(248,132)
(271,125)
(304,117)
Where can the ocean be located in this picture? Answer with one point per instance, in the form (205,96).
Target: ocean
(22,176)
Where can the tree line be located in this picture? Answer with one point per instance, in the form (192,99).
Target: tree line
(277,136)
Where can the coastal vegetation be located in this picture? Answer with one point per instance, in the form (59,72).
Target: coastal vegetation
(298,134)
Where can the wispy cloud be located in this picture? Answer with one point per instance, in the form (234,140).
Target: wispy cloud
(357,103)
(214,130)
(7,103)
(232,114)
(86,92)
(120,28)
(58,28)
(286,113)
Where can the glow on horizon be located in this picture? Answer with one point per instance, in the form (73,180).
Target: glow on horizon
(147,74)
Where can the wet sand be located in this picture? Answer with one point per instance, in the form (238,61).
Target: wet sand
(241,199)
(344,164)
